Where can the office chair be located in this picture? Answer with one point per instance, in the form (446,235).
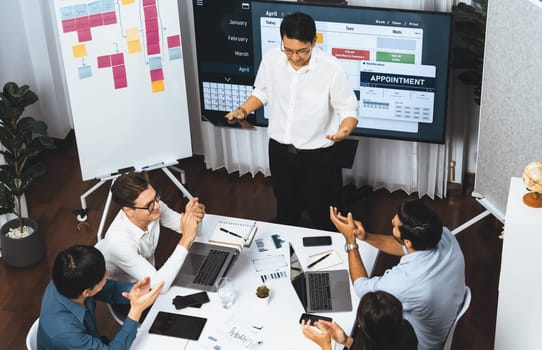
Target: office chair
(117,316)
(466,303)
(32,336)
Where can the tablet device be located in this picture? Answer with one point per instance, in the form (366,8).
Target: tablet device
(176,325)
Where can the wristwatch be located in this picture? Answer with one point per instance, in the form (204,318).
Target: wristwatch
(348,247)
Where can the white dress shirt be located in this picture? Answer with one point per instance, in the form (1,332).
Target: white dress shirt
(129,251)
(304,105)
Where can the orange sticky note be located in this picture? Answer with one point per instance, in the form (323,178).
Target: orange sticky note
(158,86)
(319,38)
(132,34)
(134,46)
(79,50)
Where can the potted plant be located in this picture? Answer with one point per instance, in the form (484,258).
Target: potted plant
(262,292)
(467,53)
(22,139)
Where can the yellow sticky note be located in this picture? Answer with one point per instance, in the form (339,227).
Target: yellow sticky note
(134,46)
(132,34)
(79,50)
(158,86)
(319,38)
(127,2)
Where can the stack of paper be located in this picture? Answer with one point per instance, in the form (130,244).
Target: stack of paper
(235,232)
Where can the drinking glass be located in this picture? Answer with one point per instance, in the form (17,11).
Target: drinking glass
(226,291)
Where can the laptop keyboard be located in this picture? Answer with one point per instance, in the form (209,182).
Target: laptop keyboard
(211,267)
(320,293)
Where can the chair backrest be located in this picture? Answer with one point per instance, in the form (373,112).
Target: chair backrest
(32,336)
(466,303)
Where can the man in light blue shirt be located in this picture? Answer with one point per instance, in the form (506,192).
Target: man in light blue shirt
(68,309)
(430,277)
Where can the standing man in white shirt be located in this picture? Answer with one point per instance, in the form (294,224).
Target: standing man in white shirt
(132,237)
(311,106)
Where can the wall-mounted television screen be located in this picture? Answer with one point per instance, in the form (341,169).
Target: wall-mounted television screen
(396,61)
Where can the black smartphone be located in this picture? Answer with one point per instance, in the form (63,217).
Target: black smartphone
(313,241)
(313,318)
(193,300)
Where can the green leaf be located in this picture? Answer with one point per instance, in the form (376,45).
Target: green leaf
(23,139)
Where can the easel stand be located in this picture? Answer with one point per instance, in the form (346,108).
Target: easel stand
(490,209)
(82,214)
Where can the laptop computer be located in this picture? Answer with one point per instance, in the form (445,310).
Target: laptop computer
(321,291)
(204,264)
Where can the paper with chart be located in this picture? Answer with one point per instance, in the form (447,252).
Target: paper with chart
(235,334)
(272,264)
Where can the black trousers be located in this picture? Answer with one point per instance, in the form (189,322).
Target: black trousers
(301,179)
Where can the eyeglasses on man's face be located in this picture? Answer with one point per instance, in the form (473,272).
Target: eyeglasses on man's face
(150,206)
(299,52)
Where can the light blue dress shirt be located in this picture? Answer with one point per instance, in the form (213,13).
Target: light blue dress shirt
(68,325)
(430,285)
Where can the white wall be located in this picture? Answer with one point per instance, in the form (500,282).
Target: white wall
(27,58)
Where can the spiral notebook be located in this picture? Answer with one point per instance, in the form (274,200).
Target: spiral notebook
(234,232)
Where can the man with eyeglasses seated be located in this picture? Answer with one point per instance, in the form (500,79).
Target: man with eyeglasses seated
(131,240)
(311,105)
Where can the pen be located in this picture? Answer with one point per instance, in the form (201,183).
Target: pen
(232,233)
(320,259)
(152,166)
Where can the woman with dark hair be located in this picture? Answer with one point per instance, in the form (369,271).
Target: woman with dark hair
(379,326)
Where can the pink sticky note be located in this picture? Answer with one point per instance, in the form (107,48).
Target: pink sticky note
(150,12)
(119,77)
(82,23)
(68,25)
(151,25)
(149,2)
(84,35)
(104,61)
(173,41)
(96,20)
(109,18)
(157,74)
(117,59)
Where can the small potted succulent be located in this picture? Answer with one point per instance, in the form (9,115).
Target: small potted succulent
(262,292)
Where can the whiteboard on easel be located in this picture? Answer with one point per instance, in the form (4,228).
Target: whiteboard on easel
(123,65)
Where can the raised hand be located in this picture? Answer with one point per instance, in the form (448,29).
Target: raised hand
(196,208)
(350,228)
(141,297)
(189,228)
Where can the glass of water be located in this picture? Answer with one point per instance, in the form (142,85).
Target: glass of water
(226,291)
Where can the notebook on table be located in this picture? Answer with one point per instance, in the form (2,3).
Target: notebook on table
(321,291)
(234,232)
(204,264)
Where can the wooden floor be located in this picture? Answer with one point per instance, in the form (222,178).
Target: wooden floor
(54,196)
